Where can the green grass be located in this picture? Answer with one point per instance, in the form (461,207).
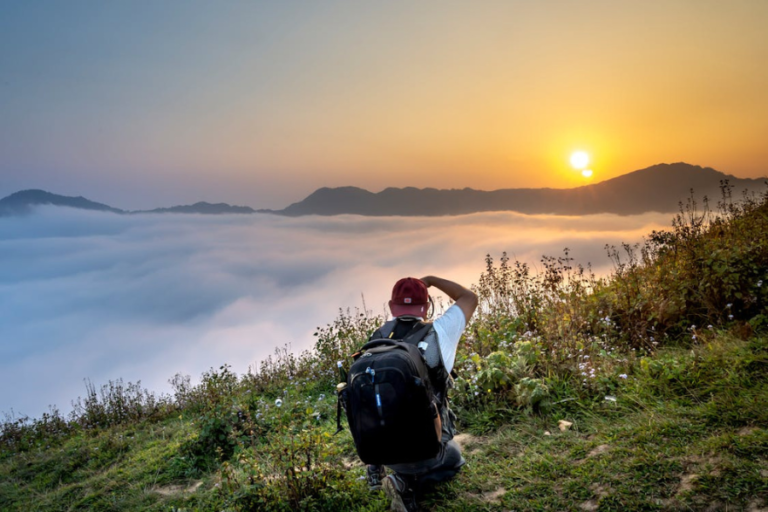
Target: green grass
(696,440)
(653,449)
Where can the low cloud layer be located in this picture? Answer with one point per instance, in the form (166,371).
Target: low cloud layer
(102,296)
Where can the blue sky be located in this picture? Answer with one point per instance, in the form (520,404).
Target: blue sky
(143,104)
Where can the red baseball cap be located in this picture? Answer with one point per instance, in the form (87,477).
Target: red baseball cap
(409,297)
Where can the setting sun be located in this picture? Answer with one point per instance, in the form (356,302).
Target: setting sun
(587,173)
(579,159)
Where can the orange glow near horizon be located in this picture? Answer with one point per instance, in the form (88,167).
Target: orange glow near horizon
(268,105)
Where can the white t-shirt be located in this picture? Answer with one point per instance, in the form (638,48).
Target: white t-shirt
(449,328)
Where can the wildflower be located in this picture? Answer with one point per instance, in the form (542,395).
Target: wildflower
(321,397)
(760,283)
(730,317)
(623,376)
(693,337)
(710,327)
(278,403)
(728,306)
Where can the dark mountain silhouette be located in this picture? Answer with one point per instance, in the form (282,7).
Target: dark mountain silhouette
(659,188)
(203,207)
(22,202)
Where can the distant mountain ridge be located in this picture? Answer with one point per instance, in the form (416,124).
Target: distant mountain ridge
(658,188)
(203,207)
(23,202)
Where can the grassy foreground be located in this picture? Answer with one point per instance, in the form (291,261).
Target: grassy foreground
(645,390)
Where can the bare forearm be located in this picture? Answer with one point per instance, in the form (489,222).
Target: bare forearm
(451,289)
(464,298)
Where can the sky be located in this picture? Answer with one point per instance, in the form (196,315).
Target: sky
(144,104)
(100,296)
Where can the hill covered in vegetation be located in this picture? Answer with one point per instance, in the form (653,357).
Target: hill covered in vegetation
(642,390)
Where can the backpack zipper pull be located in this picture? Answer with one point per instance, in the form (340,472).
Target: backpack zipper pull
(370,371)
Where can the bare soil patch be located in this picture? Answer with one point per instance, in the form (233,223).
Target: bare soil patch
(469,443)
(599,450)
(600,489)
(492,496)
(686,483)
(172,490)
(464,440)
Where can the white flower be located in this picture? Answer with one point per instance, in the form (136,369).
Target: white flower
(730,317)
(728,306)
(710,327)
(623,376)
(278,403)
(321,397)
(760,283)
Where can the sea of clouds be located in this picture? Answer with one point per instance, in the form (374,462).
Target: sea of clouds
(143,297)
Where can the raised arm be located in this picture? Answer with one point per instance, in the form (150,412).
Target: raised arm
(465,299)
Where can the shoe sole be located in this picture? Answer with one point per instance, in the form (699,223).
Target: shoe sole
(398,505)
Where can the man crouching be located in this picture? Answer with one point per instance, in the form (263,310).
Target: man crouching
(396,398)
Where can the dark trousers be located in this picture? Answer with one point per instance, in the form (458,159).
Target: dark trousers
(438,469)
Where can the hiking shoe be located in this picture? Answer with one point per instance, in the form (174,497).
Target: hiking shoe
(402,495)
(376,475)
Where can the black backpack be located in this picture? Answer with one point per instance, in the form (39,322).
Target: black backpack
(390,402)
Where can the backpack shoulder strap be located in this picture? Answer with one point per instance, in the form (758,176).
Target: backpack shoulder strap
(417,333)
(385,331)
